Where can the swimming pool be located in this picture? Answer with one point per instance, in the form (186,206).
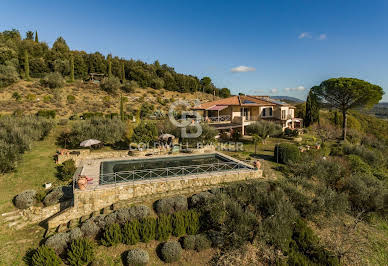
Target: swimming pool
(112,172)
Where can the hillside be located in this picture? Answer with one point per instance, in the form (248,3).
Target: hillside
(88,97)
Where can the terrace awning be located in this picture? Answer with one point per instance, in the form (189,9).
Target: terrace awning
(217,108)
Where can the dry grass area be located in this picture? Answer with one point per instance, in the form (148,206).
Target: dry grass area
(88,98)
(116,255)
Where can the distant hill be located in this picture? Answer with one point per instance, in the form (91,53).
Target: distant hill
(287,99)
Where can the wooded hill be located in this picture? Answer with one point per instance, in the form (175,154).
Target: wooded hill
(28,57)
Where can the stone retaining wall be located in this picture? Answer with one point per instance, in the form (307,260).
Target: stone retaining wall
(89,201)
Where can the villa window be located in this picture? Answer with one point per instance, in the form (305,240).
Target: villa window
(283,114)
(266,112)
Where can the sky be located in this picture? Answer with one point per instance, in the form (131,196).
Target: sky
(253,47)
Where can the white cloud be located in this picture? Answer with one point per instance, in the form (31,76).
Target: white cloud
(300,88)
(304,35)
(322,37)
(243,69)
(274,90)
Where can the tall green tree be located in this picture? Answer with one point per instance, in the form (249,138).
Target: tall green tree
(72,68)
(110,68)
(312,109)
(122,72)
(348,93)
(36,36)
(26,65)
(122,115)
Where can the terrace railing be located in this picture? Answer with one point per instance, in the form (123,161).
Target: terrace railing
(221,118)
(146,174)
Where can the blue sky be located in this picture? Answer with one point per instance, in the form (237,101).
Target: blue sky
(255,47)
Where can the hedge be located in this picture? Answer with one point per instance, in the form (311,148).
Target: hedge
(286,152)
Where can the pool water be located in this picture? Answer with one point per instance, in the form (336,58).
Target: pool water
(128,170)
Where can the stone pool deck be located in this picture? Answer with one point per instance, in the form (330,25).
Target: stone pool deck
(97,197)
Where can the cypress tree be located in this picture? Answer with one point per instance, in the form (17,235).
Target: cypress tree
(312,109)
(71,68)
(122,117)
(36,36)
(122,72)
(26,66)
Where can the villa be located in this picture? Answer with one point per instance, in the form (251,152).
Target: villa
(242,110)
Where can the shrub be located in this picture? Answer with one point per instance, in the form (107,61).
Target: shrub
(16,96)
(57,195)
(8,75)
(25,199)
(80,252)
(264,129)
(179,224)
(44,256)
(129,86)
(286,152)
(304,248)
(139,211)
(147,229)
(202,242)
(70,99)
(358,165)
(53,80)
(40,195)
(110,84)
(130,232)
(137,257)
(75,233)
(46,113)
(163,227)
(198,199)
(188,242)
(90,229)
(171,251)
(58,242)
(291,132)
(108,131)
(171,205)
(66,170)
(112,235)
(145,132)
(192,223)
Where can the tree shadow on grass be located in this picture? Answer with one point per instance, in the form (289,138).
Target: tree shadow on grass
(263,157)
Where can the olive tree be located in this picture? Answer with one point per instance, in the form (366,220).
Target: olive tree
(348,93)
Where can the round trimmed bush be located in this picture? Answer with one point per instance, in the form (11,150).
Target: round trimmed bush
(57,195)
(122,215)
(110,219)
(171,205)
(75,233)
(58,242)
(139,212)
(112,235)
(100,221)
(286,152)
(25,199)
(171,251)
(137,257)
(198,199)
(188,242)
(202,242)
(80,252)
(44,256)
(90,229)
